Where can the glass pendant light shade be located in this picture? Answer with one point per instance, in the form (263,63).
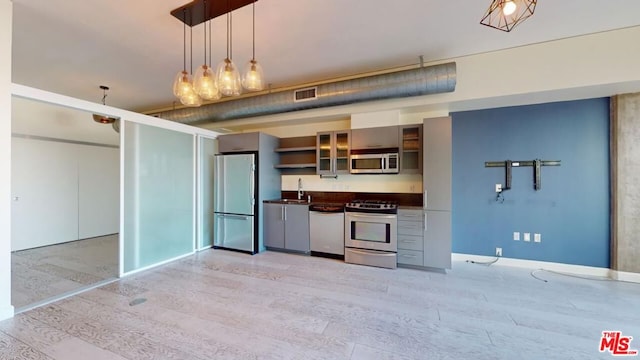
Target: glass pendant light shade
(228,78)
(190,98)
(253,77)
(205,84)
(182,84)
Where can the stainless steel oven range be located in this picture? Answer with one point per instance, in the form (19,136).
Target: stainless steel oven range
(370,233)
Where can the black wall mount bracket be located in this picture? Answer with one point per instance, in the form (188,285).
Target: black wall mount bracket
(537,165)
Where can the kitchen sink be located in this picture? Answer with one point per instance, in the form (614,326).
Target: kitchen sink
(294,201)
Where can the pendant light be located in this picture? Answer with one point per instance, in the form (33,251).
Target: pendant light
(228,76)
(204,81)
(182,84)
(253,77)
(103,119)
(506,14)
(191,98)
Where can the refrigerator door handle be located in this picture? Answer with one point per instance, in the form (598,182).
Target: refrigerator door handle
(252,177)
(234,216)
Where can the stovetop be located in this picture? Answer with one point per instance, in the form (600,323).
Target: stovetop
(372,206)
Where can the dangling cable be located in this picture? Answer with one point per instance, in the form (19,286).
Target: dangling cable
(210,44)
(228,14)
(104,95)
(191,44)
(254,30)
(230,35)
(184,40)
(205,32)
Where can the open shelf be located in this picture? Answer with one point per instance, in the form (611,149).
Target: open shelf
(295,166)
(296,149)
(297,155)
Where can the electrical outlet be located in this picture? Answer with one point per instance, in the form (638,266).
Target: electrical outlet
(498,188)
(537,237)
(516,236)
(527,236)
(498,251)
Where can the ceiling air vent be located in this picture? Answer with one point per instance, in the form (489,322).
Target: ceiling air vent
(305,94)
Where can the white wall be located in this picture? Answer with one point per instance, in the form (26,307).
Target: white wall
(356,183)
(6,310)
(98,191)
(62,192)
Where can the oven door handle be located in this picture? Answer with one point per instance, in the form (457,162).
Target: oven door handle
(373,216)
(378,253)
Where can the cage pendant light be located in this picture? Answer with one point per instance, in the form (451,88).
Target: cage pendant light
(182,85)
(204,80)
(228,76)
(191,98)
(507,14)
(253,77)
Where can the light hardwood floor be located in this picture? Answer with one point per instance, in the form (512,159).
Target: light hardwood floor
(45,272)
(225,305)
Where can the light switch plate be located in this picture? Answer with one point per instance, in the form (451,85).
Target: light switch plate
(498,188)
(516,235)
(527,236)
(537,238)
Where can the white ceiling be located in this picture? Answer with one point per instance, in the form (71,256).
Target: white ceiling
(135,47)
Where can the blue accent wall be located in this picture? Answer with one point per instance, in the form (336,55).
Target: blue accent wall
(571,211)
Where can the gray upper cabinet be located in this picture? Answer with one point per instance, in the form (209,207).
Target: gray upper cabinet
(436,167)
(286,226)
(374,138)
(230,143)
(332,152)
(410,149)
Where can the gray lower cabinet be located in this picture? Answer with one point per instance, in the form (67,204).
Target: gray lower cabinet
(437,239)
(273,225)
(410,236)
(286,226)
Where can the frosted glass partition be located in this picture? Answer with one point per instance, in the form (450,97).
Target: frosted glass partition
(158,195)
(207,149)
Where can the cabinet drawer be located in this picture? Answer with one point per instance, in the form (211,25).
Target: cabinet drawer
(410,228)
(410,215)
(410,242)
(410,257)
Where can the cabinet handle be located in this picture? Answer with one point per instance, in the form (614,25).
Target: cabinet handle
(282,213)
(285,213)
(408,255)
(374,145)
(408,241)
(424,225)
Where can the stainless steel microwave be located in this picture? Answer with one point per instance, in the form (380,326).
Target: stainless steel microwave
(384,163)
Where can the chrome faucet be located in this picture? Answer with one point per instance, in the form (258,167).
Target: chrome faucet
(300,192)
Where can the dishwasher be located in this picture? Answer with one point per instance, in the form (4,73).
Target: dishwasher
(326,230)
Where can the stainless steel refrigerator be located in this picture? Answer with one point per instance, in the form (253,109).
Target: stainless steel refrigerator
(235,209)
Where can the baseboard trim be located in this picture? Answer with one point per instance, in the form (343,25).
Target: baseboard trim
(6,312)
(625,276)
(533,264)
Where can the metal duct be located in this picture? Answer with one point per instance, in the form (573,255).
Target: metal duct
(421,81)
